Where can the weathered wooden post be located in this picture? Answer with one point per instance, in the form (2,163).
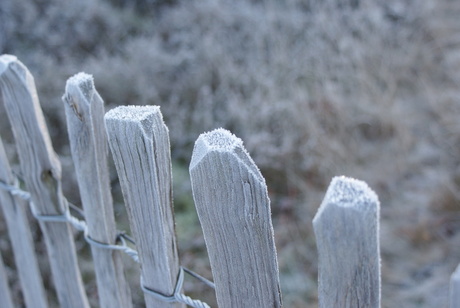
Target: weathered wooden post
(14,210)
(346,228)
(5,294)
(88,140)
(41,170)
(139,142)
(234,210)
(455,288)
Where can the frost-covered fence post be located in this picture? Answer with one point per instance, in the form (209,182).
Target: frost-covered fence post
(139,142)
(41,170)
(234,210)
(5,294)
(88,140)
(455,288)
(14,210)
(346,228)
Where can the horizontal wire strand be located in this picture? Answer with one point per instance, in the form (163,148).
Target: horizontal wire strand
(81,225)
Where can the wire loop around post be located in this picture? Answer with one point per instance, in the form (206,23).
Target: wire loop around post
(177,296)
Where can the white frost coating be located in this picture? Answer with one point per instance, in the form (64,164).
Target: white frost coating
(222,140)
(79,84)
(217,140)
(81,78)
(146,117)
(5,60)
(132,113)
(348,192)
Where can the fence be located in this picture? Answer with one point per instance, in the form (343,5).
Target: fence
(230,195)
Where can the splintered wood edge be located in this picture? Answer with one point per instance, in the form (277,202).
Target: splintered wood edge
(222,140)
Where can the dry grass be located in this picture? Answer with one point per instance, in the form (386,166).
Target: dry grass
(315,89)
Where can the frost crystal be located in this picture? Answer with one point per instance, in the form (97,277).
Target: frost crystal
(132,113)
(221,140)
(348,192)
(345,191)
(82,81)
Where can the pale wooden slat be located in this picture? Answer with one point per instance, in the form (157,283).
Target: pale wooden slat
(88,140)
(346,227)
(455,288)
(14,211)
(41,171)
(139,142)
(234,210)
(5,294)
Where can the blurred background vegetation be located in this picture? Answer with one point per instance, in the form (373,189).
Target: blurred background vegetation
(367,89)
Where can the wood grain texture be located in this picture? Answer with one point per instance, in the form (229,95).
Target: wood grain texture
(14,210)
(139,142)
(5,294)
(41,171)
(346,227)
(88,141)
(455,288)
(234,210)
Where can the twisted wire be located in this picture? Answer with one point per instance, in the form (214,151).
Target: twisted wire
(177,296)
(81,225)
(15,190)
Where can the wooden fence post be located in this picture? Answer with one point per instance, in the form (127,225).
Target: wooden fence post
(5,294)
(455,288)
(88,140)
(15,213)
(234,210)
(139,142)
(346,228)
(41,170)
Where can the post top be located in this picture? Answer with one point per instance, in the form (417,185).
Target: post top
(132,113)
(347,192)
(222,140)
(5,60)
(81,78)
(82,82)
